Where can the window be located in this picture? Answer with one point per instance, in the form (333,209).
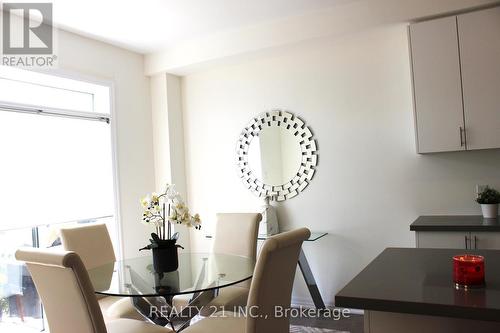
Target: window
(37,90)
(56,168)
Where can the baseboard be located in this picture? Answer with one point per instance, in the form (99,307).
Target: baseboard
(307,303)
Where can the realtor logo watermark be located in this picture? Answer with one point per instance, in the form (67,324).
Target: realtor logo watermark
(27,35)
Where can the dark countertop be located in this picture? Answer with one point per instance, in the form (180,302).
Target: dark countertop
(420,281)
(455,223)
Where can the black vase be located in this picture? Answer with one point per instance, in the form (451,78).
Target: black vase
(165,256)
(167,282)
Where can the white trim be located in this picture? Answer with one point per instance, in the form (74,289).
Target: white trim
(47,85)
(68,74)
(59,80)
(116,178)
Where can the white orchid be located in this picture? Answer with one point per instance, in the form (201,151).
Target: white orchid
(177,199)
(145,202)
(157,206)
(170,192)
(173,215)
(196,221)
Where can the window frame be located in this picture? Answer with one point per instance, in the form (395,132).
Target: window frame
(110,118)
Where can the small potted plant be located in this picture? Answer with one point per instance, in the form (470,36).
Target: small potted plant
(489,199)
(160,212)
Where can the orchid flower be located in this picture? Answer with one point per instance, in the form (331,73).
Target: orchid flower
(155,213)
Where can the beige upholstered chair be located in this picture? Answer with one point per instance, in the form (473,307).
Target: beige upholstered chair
(68,295)
(93,244)
(235,234)
(271,287)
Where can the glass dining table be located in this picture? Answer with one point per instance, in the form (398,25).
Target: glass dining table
(201,275)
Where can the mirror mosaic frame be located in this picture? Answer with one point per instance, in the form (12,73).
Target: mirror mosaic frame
(308,147)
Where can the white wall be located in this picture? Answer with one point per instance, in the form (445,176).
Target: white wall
(88,57)
(355,94)
(161,141)
(168,138)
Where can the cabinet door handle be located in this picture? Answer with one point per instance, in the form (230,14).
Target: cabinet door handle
(461,136)
(475,242)
(466,244)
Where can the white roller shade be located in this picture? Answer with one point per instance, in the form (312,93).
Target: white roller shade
(53,169)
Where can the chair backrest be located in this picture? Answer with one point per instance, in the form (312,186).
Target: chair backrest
(91,242)
(65,289)
(236,234)
(272,282)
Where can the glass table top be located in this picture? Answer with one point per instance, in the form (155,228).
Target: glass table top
(314,236)
(197,272)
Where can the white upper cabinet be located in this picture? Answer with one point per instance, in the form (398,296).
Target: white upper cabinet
(437,87)
(479,40)
(456,81)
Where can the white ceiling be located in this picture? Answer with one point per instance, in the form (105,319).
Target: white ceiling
(147,26)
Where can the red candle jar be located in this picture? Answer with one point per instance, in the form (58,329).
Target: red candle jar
(468,270)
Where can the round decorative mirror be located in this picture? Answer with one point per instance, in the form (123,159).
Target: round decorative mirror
(276,155)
